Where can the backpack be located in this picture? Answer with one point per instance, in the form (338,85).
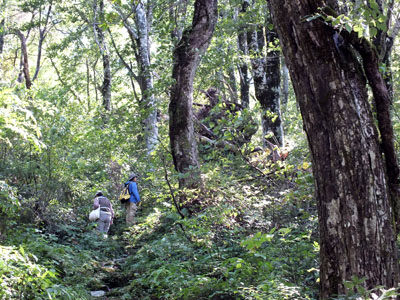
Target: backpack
(124,196)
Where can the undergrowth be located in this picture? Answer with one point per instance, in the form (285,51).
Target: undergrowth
(244,236)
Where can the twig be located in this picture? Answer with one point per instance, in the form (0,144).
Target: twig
(169,184)
(62,81)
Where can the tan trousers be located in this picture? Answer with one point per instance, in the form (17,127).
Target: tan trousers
(131,208)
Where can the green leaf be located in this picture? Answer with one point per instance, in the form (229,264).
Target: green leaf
(373,31)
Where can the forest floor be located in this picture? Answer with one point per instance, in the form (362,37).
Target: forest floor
(253,238)
(262,236)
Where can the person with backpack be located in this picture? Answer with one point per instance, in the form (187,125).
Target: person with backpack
(106,212)
(131,205)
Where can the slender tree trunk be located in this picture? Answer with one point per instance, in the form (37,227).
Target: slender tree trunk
(273,100)
(39,57)
(95,81)
(177,14)
(128,66)
(232,85)
(140,42)
(25,61)
(384,43)
(243,68)
(1,36)
(98,12)
(285,83)
(187,54)
(266,77)
(146,78)
(355,218)
(88,84)
(42,36)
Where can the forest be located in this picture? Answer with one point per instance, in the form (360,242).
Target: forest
(262,137)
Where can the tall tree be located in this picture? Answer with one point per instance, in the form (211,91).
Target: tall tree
(1,36)
(24,60)
(187,54)
(285,83)
(43,27)
(383,17)
(266,75)
(384,42)
(98,20)
(177,15)
(355,219)
(146,78)
(243,67)
(140,43)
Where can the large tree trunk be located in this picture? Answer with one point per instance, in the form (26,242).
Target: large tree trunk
(195,40)
(98,12)
(355,219)
(146,78)
(266,75)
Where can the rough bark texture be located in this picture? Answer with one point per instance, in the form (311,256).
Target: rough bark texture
(382,99)
(384,43)
(146,78)
(382,104)
(102,43)
(195,40)
(266,75)
(355,222)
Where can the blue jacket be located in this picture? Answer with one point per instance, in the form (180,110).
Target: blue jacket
(133,191)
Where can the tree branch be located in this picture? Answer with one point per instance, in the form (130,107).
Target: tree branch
(62,81)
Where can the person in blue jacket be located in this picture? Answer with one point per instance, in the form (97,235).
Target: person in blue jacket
(131,205)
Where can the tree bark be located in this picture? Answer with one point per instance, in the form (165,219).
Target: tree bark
(266,75)
(285,83)
(146,78)
(382,100)
(384,43)
(187,54)
(243,68)
(232,85)
(177,14)
(355,218)
(1,36)
(140,43)
(25,60)
(273,100)
(42,36)
(98,12)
